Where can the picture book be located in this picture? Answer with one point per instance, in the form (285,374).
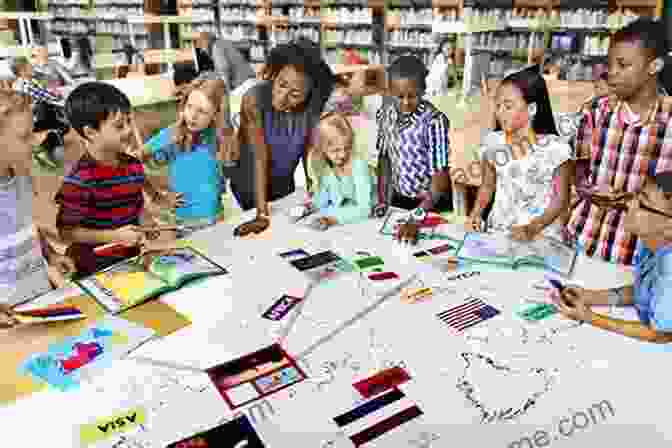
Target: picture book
(61,366)
(546,252)
(131,282)
(237,433)
(255,376)
(430,228)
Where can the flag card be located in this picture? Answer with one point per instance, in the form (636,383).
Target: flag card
(383,276)
(315,261)
(473,311)
(255,376)
(537,311)
(238,433)
(281,307)
(377,417)
(294,254)
(369,263)
(381,382)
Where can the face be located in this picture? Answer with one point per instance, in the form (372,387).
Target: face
(114,134)
(511,108)
(407,93)
(629,69)
(601,87)
(290,89)
(653,212)
(198,111)
(337,148)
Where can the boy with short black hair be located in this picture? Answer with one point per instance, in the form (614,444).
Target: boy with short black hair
(101,199)
(651,294)
(619,136)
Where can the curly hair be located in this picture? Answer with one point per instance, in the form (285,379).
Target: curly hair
(305,56)
(214,90)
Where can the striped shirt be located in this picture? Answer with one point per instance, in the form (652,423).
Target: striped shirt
(618,146)
(99,196)
(37,92)
(417,143)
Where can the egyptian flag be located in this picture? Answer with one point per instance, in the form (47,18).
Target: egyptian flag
(377,417)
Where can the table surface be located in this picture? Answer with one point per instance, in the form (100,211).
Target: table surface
(568,369)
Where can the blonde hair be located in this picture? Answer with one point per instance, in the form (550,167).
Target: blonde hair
(317,159)
(214,90)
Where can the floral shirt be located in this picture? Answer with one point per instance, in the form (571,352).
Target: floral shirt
(525,187)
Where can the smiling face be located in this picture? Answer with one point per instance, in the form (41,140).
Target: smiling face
(113,136)
(199,112)
(511,108)
(630,68)
(290,89)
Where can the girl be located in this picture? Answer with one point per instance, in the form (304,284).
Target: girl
(442,73)
(413,148)
(523,162)
(344,187)
(190,151)
(24,272)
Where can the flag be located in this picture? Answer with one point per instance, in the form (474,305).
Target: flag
(377,417)
(468,314)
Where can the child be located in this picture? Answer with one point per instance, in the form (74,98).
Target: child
(600,84)
(24,272)
(651,294)
(413,148)
(524,164)
(618,136)
(189,149)
(101,199)
(345,186)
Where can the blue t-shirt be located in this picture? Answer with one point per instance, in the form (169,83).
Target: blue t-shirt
(195,173)
(653,287)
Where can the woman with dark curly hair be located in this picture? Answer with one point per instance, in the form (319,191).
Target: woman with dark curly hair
(277,119)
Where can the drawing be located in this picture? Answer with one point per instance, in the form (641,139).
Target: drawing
(495,409)
(424,440)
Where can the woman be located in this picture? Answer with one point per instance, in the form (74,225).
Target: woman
(442,73)
(277,116)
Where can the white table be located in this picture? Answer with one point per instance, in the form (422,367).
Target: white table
(584,365)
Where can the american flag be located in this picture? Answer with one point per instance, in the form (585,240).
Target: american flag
(468,314)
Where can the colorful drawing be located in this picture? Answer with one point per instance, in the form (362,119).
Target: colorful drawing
(60,366)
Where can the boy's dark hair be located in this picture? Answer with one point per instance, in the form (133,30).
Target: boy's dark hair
(92,103)
(409,67)
(533,88)
(184,73)
(651,34)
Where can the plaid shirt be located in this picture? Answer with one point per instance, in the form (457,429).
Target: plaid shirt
(36,92)
(619,147)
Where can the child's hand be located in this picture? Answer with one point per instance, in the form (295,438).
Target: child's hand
(7,319)
(473,223)
(172,200)
(408,233)
(257,225)
(61,267)
(572,303)
(131,235)
(526,232)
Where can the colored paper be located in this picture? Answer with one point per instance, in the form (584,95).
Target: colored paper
(473,311)
(106,427)
(95,347)
(381,382)
(281,307)
(238,433)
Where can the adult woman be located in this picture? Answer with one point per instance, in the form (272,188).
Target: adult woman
(277,116)
(442,73)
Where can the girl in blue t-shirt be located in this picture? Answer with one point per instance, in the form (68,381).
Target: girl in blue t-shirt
(189,151)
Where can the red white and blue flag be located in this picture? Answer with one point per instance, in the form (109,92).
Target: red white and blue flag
(473,311)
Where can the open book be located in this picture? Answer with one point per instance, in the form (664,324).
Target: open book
(547,252)
(128,283)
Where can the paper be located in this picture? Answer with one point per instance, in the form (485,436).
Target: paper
(237,433)
(61,366)
(107,427)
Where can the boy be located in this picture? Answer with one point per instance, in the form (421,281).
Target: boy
(101,199)
(618,136)
(651,294)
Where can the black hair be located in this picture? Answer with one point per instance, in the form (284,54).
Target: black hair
(306,57)
(65,46)
(92,103)
(533,88)
(651,34)
(184,72)
(409,67)
(85,51)
(664,182)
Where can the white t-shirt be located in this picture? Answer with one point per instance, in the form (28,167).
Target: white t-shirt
(23,269)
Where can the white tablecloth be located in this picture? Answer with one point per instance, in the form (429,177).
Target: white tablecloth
(569,370)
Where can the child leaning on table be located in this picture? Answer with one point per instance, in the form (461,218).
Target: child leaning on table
(101,199)
(344,183)
(190,151)
(28,267)
(651,294)
(526,167)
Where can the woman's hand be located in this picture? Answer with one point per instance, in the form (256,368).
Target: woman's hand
(7,319)
(257,225)
(527,232)
(408,233)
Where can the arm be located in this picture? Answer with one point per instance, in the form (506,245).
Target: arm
(487,188)
(632,329)
(363,196)
(560,204)
(89,236)
(252,131)
(439,145)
